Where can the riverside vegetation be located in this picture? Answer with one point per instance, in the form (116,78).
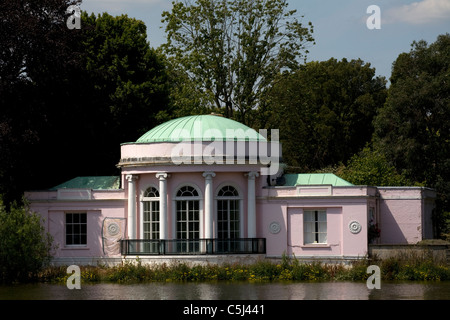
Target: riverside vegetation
(288,269)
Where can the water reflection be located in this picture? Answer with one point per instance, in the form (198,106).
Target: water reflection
(231,291)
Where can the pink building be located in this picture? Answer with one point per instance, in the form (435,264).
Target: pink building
(207,186)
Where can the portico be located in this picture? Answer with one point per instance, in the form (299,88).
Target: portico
(171,203)
(175,207)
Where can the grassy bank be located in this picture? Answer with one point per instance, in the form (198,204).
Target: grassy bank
(288,269)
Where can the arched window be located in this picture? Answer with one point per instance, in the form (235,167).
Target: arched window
(228,213)
(151,193)
(187,191)
(188,216)
(228,191)
(150,221)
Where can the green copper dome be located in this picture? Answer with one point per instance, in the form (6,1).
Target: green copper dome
(200,128)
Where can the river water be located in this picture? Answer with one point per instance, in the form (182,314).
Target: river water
(231,291)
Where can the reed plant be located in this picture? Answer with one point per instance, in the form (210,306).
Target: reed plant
(288,269)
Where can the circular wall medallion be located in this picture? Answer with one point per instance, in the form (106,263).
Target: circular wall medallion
(113,229)
(354,226)
(274,227)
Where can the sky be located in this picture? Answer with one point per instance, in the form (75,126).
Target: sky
(340,26)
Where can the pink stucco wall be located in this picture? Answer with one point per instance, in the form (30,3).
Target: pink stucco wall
(405,214)
(290,239)
(101,205)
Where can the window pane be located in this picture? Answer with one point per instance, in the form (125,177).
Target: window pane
(187,191)
(309,216)
(322,238)
(76,229)
(322,216)
(315,226)
(228,191)
(151,192)
(309,238)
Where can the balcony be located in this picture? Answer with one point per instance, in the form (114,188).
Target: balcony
(193,246)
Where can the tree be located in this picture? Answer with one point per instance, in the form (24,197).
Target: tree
(37,51)
(25,246)
(371,167)
(324,111)
(70,97)
(232,49)
(413,127)
(129,79)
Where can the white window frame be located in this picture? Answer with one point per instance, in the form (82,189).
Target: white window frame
(145,199)
(239,208)
(80,233)
(315,228)
(174,208)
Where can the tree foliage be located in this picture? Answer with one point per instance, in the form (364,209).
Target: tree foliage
(127,72)
(232,49)
(25,246)
(371,167)
(37,51)
(413,127)
(324,111)
(70,97)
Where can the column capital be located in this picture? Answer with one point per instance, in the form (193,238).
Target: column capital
(252,175)
(131,177)
(209,174)
(162,175)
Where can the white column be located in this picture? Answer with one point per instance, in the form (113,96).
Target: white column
(208,203)
(251,204)
(163,218)
(131,205)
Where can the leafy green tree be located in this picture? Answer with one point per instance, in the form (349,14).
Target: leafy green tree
(71,95)
(371,167)
(413,127)
(37,52)
(25,246)
(124,87)
(184,99)
(128,76)
(324,111)
(232,49)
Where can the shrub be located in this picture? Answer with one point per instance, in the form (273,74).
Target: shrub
(25,246)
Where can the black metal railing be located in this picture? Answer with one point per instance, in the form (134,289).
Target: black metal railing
(193,246)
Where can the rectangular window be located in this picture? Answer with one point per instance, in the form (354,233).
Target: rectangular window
(315,226)
(76,229)
(151,220)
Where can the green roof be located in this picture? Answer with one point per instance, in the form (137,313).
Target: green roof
(294,179)
(95,183)
(200,128)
